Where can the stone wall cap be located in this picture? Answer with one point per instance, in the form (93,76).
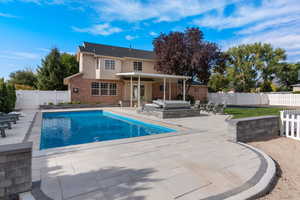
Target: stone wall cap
(17,147)
(235,121)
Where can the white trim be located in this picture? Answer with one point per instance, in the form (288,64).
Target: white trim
(131,91)
(142,74)
(139,92)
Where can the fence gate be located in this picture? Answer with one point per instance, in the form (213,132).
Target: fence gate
(290,124)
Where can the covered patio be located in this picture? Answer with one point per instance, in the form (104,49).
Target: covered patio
(166,78)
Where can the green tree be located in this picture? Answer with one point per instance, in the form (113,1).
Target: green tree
(70,63)
(23,77)
(241,68)
(7,97)
(217,82)
(287,74)
(253,62)
(55,67)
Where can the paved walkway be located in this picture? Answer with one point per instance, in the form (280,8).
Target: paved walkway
(188,166)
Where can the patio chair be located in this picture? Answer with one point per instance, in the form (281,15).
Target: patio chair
(196,106)
(2,130)
(209,107)
(219,108)
(216,108)
(9,118)
(6,122)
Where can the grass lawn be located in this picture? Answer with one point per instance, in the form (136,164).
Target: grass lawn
(252,112)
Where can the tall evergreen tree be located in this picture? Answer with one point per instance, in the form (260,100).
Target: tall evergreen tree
(70,63)
(55,67)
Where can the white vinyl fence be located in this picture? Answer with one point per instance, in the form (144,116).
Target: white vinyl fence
(239,98)
(274,99)
(290,124)
(34,98)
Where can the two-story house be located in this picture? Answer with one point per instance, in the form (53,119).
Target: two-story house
(110,74)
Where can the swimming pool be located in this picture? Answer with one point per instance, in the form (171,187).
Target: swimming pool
(69,128)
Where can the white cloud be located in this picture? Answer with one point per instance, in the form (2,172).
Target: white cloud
(99,29)
(130,37)
(287,38)
(7,15)
(163,10)
(43,49)
(273,21)
(246,14)
(154,34)
(16,55)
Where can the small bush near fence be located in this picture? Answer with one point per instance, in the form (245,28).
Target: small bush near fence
(7,97)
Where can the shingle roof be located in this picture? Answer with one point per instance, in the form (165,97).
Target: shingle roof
(114,51)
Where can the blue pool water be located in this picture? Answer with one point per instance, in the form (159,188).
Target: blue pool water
(69,128)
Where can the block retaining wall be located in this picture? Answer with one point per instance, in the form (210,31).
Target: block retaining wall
(15,169)
(254,128)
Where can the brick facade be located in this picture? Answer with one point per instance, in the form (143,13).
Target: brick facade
(84,91)
(199,92)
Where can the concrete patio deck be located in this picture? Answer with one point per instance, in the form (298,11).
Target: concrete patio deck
(19,130)
(197,164)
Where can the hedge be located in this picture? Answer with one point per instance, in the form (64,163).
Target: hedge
(7,97)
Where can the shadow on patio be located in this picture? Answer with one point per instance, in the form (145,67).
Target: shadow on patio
(105,184)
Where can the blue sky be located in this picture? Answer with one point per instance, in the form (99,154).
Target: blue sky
(29,28)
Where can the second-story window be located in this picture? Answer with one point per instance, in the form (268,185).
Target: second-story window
(109,64)
(137,66)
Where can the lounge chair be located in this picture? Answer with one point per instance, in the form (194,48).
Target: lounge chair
(6,122)
(15,115)
(9,118)
(2,130)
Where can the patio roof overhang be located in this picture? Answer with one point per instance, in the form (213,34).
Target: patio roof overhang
(140,75)
(150,75)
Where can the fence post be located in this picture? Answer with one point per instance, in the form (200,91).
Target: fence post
(281,123)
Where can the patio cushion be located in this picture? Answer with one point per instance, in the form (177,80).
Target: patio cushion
(172,104)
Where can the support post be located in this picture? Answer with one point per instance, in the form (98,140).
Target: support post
(131,91)
(139,92)
(170,95)
(184,90)
(164,89)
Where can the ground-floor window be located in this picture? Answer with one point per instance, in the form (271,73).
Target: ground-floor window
(104,89)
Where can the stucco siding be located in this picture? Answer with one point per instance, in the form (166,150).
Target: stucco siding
(109,74)
(148,66)
(88,66)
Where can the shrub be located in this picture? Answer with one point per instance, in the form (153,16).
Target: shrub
(7,97)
